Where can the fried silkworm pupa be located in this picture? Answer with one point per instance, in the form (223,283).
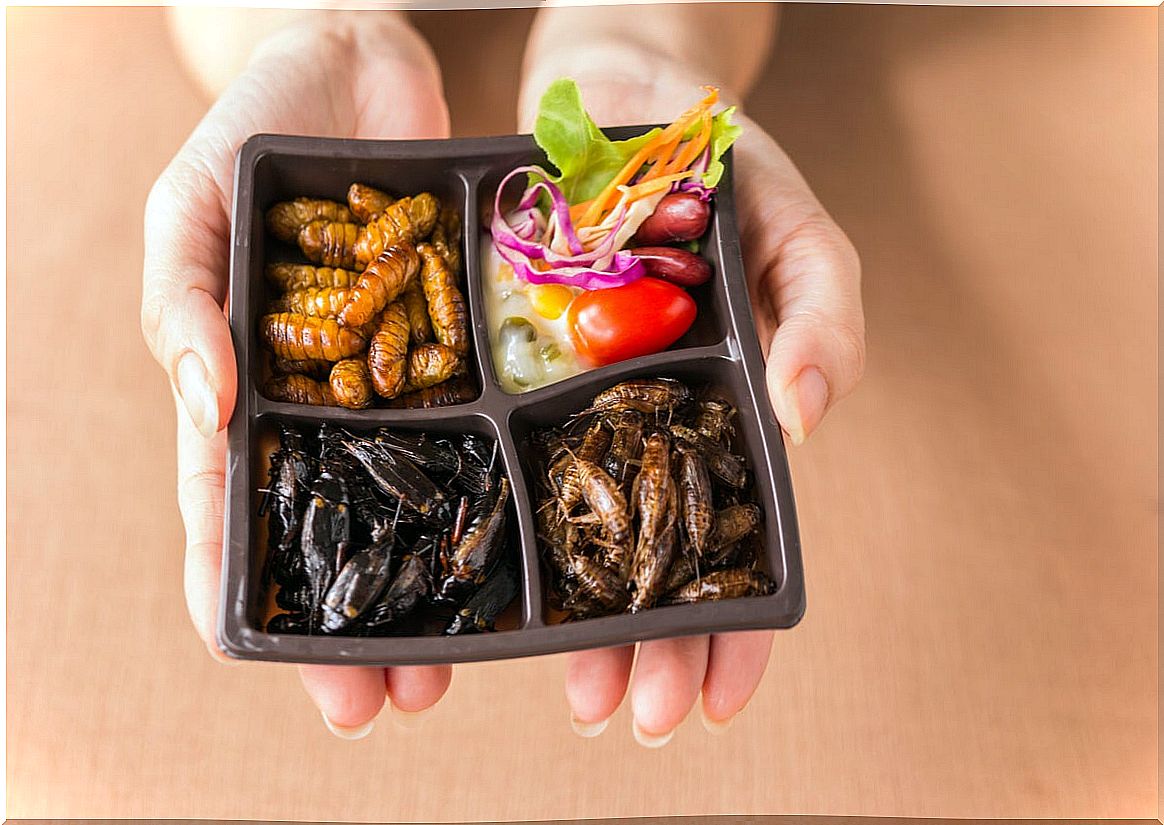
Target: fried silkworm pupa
(318,302)
(446,238)
(388,352)
(316,368)
(419,325)
(331,243)
(287,218)
(351,383)
(429,365)
(299,389)
(299,337)
(448,394)
(367,203)
(423,211)
(288,277)
(446,304)
(383,280)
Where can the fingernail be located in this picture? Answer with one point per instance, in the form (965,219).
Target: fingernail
(711,725)
(810,394)
(197,395)
(588,730)
(409,719)
(650,740)
(353,733)
(220,657)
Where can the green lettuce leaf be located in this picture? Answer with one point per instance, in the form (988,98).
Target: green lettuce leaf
(723,135)
(585,158)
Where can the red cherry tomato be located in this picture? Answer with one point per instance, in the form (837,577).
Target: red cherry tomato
(645,316)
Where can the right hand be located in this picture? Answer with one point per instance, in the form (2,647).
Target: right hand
(329,75)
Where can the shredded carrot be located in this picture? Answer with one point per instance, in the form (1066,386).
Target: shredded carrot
(652,150)
(660,166)
(694,146)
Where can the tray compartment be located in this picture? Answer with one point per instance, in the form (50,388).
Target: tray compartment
(714,315)
(252,609)
(293,172)
(721,375)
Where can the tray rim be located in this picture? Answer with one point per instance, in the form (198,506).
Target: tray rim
(780,610)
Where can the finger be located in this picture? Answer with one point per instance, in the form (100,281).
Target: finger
(348,697)
(596,681)
(735,665)
(201,493)
(183,289)
(667,679)
(804,275)
(414,690)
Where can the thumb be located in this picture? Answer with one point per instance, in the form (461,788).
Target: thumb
(184,286)
(817,353)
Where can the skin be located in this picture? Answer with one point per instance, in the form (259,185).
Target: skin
(633,64)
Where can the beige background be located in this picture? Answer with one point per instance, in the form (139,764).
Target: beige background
(979,520)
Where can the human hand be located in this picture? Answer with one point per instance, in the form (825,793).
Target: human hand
(804,282)
(327,74)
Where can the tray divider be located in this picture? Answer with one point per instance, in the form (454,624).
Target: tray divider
(532,607)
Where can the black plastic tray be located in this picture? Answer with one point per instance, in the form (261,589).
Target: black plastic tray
(721,350)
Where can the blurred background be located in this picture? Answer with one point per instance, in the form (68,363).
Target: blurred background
(979,520)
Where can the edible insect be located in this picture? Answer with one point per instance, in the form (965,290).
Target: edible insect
(359,583)
(285,219)
(600,583)
(299,337)
(315,368)
(714,420)
(299,389)
(695,500)
(728,468)
(446,238)
(645,395)
(446,304)
(654,491)
(413,583)
(605,500)
(626,444)
(428,365)
(481,546)
(484,606)
(284,500)
(593,448)
(367,203)
(351,383)
(731,525)
(722,584)
(331,243)
(326,533)
(320,302)
(419,325)
(404,222)
(289,277)
(395,475)
(387,354)
(383,280)
(651,564)
(451,392)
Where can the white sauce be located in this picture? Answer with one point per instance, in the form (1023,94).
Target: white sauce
(505,298)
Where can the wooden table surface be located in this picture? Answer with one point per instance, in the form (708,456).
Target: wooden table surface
(979,520)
